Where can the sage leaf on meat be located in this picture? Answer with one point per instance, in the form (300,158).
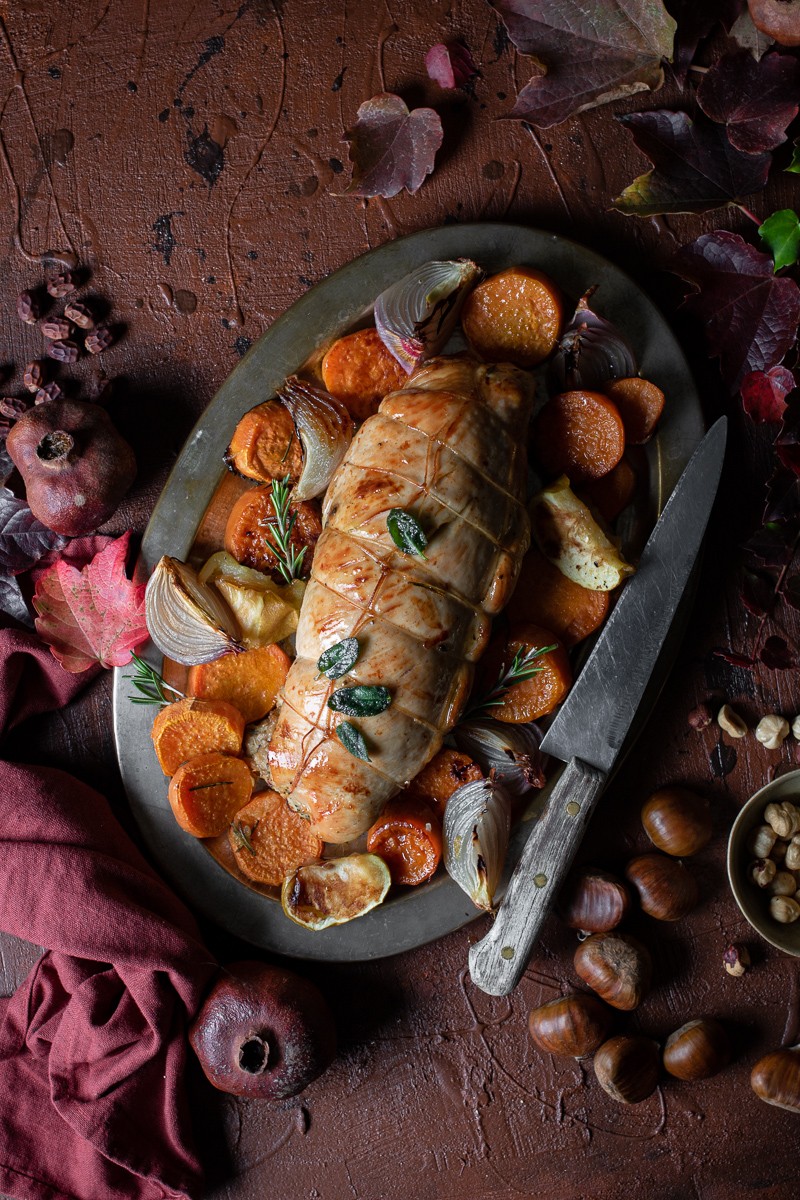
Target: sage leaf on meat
(407,533)
(338,659)
(352,740)
(360,701)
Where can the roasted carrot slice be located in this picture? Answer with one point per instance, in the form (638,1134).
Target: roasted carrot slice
(250,681)
(270,841)
(513,317)
(250,532)
(408,837)
(206,793)
(265,445)
(360,371)
(536,696)
(545,597)
(445,773)
(190,727)
(612,492)
(640,404)
(579,434)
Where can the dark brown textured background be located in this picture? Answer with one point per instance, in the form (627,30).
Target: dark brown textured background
(190,153)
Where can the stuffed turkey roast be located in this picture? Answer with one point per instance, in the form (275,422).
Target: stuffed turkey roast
(450,450)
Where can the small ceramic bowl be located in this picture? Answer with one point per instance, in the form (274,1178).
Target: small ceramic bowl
(752,900)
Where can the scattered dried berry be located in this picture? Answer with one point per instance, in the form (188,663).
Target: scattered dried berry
(27,308)
(79,314)
(99,340)
(61,285)
(33,377)
(736,960)
(50,391)
(56,330)
(64,352)
(12,407)
(701,717)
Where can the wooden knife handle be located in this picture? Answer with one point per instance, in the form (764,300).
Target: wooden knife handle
(497,962)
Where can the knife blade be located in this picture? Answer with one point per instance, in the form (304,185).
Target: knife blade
(591,727)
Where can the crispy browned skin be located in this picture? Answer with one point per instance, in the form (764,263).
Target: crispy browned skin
(450,448)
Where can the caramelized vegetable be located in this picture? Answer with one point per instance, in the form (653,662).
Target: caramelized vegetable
(513,317)
(265,611)
(640,404)
(579,434)
(533,697)
(270,841)
(190,727)
(408,837)
(359,370)
(611,494)
(336,891)
(265,445)
(546,597)
(445,773)
(250,532)
(567,533)
(206,792)
(250,681)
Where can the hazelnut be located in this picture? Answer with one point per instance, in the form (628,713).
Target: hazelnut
(791,858)
(784,818)
(778,853)
(783,884)
(796,727)
(772,731)
(736,960)
(784,909)
(761,841)
(628,1068)
(730,721)
(698,1050)
(762,872)
(701,716)
(574,1025)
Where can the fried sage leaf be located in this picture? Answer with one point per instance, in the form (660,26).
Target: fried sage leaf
(407,533)
(364,700)
(338,659)
(353,740)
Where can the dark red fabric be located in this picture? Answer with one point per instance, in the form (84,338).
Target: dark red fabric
(92,1045)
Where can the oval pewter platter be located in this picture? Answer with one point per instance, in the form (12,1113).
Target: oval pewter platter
(331,308)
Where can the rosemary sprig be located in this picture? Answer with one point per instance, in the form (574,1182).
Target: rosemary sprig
(290,559)
(241,835)
(151,685)
(522,667)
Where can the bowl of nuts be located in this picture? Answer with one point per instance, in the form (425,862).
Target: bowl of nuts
(764,862)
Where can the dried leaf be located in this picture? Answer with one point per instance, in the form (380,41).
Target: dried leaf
(783,499)
(392,148)
(794,166)
(754,100)
(12,601)
(92,615)
(695,168)
(7,467)
(768,545)
(731,656)
(695,22)
(451,65)
(750,314)
(787,443)
(764,394)
(746,35)
(23,539)
(776,655)
(791,590)
(758,591)
(781,234)
(586,54)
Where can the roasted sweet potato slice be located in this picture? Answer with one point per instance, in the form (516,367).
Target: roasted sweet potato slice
(360,371)
(250,531)
(265,445)
(190,727)
(513,317)
(640,404)
(536,696)
(408,837)
(250,681)
(579,434)
(445,773)
(270,841)
(206,792)
(612,494)
(545,597)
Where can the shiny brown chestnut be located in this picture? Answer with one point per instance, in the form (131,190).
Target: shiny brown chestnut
(617,967)
(677,821)
(628,1068)
(574,1025)
(593,900)
(666,890)
(775,1079)
(698,1050)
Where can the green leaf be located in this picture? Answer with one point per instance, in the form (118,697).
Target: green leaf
(794,166)
(407,533)
(780,233)
(338,659)
(352,740)
(360,701)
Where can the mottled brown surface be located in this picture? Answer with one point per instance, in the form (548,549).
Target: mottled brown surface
(190,154)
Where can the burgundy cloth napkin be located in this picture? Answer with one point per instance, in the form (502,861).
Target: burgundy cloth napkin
(92,1045)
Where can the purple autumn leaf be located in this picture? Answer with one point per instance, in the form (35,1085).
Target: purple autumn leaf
(392,148)
(451,65)
(754,100)
(764,394)
(23,539)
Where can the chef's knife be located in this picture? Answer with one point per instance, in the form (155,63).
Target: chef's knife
(592,725)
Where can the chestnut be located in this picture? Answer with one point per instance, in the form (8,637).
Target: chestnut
(593,900)
(575,1025)
(617,967)
(698,1050)
(677,821)
(775,1079)
(263,1032)
(628,1068)
(667,891)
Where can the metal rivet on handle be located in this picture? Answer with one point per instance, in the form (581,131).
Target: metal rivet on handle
(540,880)
(507,952)
(573,808)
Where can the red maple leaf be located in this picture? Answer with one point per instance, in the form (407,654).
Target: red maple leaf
(764,393)
(91,615)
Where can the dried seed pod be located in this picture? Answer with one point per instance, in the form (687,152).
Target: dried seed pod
(79,314)
(617,967)
(61,285)
(593,900)
(761,840)
(99,340)
(628,1068)
(574,1025)
(63,352)
(56,330)
(27,308)
(677,821)
(784,818)
(736,960)
(775,1079)
(772,731)
(667,891)
(729,720)
(762,872)
(50,391)
(784,909)
(13,407)
(698,1050)
(34,376)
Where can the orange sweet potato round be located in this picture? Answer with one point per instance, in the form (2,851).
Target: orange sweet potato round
(445,773)
(612,493)
(513,317)
(270,841)
(206,792)
(534,697)
(408,837)
(250,681)
(265,445)
(186,728)
(640,405)
(579,434)
(545,597)
(250,532)
(360,371)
